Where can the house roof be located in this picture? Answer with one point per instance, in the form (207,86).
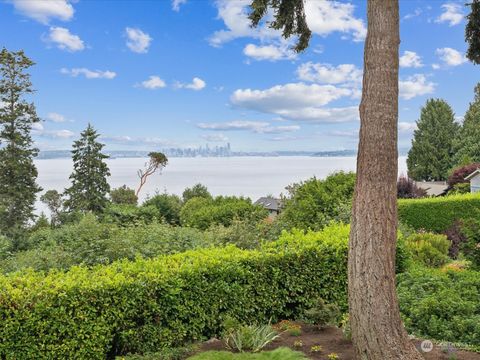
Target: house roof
(473,174)
(433,188)
(269,203)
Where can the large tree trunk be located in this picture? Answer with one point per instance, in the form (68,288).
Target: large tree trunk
(377,329)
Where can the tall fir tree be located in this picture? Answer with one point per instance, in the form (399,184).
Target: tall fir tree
(89,188)
(467,143)
(431,155)
(18,174)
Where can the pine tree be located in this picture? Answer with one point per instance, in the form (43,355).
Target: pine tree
(89,188)
(18,173)
(467,143)
(431,155)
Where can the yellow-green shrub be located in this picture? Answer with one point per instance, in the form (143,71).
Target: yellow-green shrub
(144,305)
(438,214)
(429,249)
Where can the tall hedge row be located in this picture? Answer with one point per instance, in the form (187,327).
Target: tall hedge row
(438,214)
(144,305)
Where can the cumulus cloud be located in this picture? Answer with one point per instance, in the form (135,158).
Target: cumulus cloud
(269,52)
(152,83)
(407,127)
(452,14)
(415,85)
(137,40)
(214,137)
(177,3)
(258,127)
(44,11)
(89,74)
(451,57)
(56,117)
(328,74)
(196,84)
(39,130)
(64,39)
(410,59)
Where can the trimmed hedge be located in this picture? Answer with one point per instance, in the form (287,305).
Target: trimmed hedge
(144,305)
(438,214)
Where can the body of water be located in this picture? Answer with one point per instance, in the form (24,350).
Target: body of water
(248,176)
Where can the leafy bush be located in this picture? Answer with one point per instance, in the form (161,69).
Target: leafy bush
(459,174)
(277,354)
(441,305)
(145,305)
(438,214)
(168,207)
(197,190)
(471,246)
(126,215)
(179,353)
(429,249)
(123,195)
(313,204)
(322,314)
(407,189)
(249,337)
(457,237)
(202,213)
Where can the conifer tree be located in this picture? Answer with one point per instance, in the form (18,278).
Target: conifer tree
(18,173)
(89,188)
(467,144)
(431,155)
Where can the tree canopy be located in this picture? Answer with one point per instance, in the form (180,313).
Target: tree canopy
(472,32)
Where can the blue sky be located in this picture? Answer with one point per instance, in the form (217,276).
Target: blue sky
(182,73)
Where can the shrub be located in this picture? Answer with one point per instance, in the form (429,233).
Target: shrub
(457,237)
(313,204)
(438,214)
(126,215)
(459,174)
(322,314)
(198,190)
(407,189)
(146,305)
(439,305)
(471,247)
(249,337)
(123,195)
(345,326)
(429,249)
(168,207)
(277,354)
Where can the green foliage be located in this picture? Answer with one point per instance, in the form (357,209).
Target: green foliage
(313,204)
(53,200)
(124,196)
(472,32)
(277,354)
(197,190)
(89,188)
(18,173)
(251,338)
(178,353)
(128,215)
(431,155)
(438,214)
(202,213)
(345,326)
(168,207)
(441,305)
(146,305)
(471,247)
(429,249)
(322,314)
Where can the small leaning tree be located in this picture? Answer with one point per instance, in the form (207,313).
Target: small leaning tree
(377,329)
(157,160)
(89,188)
(18,174)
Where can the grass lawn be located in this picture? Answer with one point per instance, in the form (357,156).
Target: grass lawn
(278,354)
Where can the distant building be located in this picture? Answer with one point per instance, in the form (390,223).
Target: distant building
(474,179)
(433,188)
(274,206)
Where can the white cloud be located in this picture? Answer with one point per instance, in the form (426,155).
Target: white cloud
(269,52)
(177,3)
(37,127)
(344,133)
(451,57)
(410,59)
(140,140)
(152,83)
(416,13)
(328,74)
(137,40)
(196,84)
(258,127)
(325,17)
(435,66)
(452,14)
(44,11)
(407,127)
(415,85)
(64,39)
(89,74)
(39,130)
(214,137)
(323,115)
(56,117)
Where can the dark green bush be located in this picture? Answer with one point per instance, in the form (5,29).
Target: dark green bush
(441,305)
(322,314)
(126,215)
(123,196)
(438,214)
(471,246)
(168,207)
(146,305)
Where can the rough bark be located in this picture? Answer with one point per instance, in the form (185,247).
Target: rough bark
(377,329)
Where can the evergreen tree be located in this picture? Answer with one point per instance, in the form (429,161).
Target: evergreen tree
(18,173)
(431,155)
(467,144)
(89,188)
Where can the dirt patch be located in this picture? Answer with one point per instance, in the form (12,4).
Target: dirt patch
(331,341)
